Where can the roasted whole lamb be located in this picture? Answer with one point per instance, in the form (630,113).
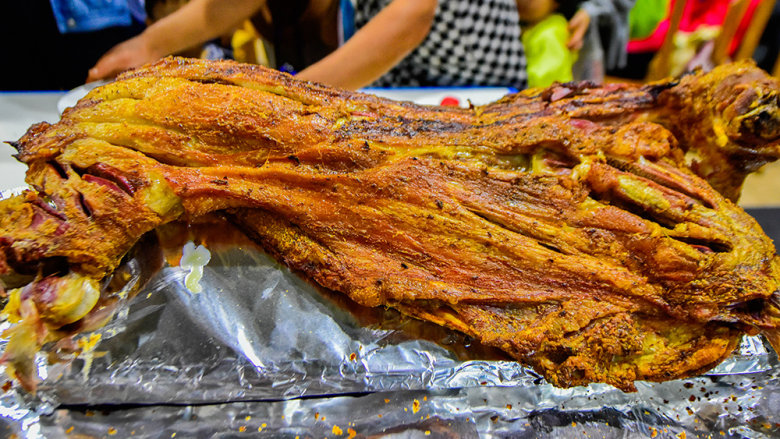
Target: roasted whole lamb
(588,231)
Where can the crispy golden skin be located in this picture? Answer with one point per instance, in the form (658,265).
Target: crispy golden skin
(565,226)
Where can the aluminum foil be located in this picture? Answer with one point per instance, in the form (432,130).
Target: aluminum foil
(258,349)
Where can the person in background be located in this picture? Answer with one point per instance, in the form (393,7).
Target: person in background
(240,43)
(301,32)
(604,39)
(562,43)
(186,26)
(457,43)
(403,42)
(388,36)
(464,43)
(545,38)
(396,42)
(49,44)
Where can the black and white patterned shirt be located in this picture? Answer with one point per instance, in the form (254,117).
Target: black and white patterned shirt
(471,42)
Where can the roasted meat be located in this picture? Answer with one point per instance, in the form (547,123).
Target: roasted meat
(590,232)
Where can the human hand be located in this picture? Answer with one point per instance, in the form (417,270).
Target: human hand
(126,55)
(578,25)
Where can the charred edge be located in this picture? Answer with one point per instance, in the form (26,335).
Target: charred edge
(611,111)
(401,126)
(706,246)
(633,208)
(581,87)
(774,299)
(72,328)
(753,307)
(655,90)
(43,267)
(218,81)
(58,168)
(226,82)
(550,247)
(84,206)
(763,127)
(54,266)
(559,354)
(487,218)
(78,170)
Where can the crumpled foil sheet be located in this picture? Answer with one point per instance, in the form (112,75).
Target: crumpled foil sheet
(261,350)
(732,406)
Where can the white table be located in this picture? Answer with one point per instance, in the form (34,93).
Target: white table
(18,111)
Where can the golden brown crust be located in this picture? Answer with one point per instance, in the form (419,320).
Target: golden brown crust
(561,225)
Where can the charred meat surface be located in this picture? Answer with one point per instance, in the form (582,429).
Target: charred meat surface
(590,232)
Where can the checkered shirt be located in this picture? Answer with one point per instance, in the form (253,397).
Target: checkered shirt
(471,42)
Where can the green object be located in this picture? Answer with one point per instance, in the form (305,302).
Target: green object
(645,16)
(549,60)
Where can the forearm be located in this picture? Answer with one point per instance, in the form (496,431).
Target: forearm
(196,22)
(377,47)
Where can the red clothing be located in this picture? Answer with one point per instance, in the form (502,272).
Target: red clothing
(696,13)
